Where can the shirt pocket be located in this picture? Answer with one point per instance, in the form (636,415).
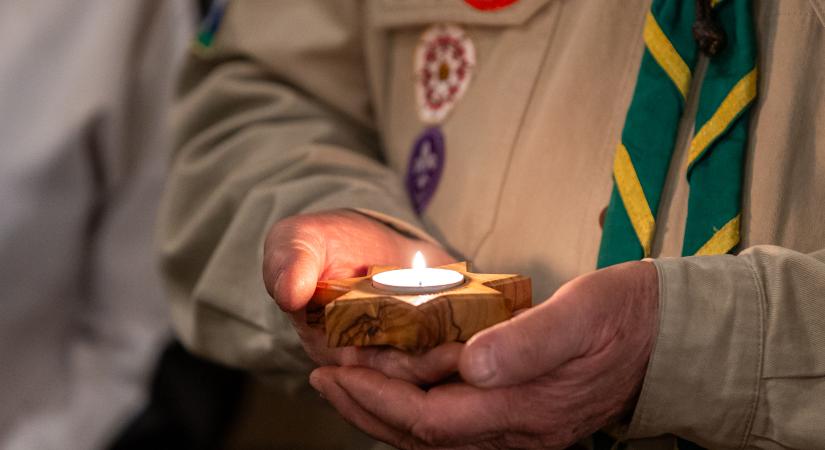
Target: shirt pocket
(481,128)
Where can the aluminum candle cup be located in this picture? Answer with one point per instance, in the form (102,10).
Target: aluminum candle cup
(417,281)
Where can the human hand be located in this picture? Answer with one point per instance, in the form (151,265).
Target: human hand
(303,249)
(544,379)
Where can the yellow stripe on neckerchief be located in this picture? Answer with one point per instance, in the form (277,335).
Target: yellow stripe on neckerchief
(665,55)
(630,189)
(715,162)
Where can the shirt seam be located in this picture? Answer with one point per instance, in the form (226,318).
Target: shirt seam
(516,137)
(819,10)
(642,419)
(746,439)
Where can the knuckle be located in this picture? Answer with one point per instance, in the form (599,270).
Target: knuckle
(304,242)
(286,242)
(290,227)
(424,373)
(393,360)
(282,227)
(428,431)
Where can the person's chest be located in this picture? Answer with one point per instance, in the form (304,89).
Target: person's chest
(521,167)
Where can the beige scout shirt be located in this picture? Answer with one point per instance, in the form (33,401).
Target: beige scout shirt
(298,101)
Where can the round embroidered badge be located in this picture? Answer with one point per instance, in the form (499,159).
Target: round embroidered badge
(444,61)
(425,167)
(488,5)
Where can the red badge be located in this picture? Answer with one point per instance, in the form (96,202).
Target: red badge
(444,62)
(489,5)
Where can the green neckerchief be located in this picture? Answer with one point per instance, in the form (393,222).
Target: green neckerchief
(715,162)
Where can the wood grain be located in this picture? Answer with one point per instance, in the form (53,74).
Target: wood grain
(357,313)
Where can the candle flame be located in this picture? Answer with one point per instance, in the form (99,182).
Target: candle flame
(418,261)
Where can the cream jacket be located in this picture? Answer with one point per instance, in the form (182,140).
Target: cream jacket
(310,105)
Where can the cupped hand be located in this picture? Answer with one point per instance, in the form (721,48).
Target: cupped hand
(544,379)
(301,250)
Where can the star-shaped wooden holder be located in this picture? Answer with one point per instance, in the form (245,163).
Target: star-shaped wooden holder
(354,312)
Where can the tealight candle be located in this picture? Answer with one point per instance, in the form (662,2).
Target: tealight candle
(420,279)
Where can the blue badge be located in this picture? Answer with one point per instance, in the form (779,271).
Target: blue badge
(425,167)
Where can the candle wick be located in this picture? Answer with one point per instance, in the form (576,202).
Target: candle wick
(420,283)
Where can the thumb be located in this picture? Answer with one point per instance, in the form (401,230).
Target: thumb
(524,347)
(292,278)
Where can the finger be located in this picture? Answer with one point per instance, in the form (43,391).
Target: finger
(452,414)
(358,416)
(354,413)
(293,272)
(314,340)
(524,347)
(426,368)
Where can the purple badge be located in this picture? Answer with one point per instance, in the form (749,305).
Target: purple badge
(425,167)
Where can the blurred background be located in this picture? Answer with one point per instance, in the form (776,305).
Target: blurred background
(87,354)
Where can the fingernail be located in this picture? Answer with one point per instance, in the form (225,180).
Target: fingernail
(481,365)
(314,381)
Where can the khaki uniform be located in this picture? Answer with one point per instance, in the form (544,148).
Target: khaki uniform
(295,105)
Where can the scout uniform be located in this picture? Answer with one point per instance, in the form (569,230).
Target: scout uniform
(504,129)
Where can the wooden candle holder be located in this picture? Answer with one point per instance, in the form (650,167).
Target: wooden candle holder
(354,312)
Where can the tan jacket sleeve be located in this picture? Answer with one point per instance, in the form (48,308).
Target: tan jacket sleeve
(739,361)
(273,120)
